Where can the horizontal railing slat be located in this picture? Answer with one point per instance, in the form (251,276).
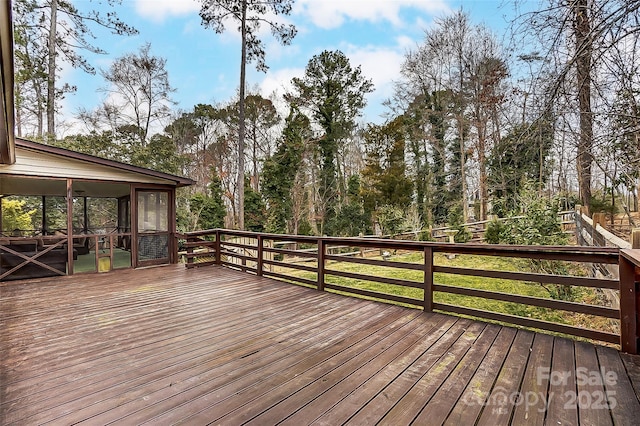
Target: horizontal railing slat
(526,276)
(530,322)
(290,278)
(272,237)
(571,254)
(384,280)
(197,255)
(296,253)
(291,265)
(239,267)
(375,262)
(200,264)
(374,294)
(563,305)
(201,243)
(238,256)
(238,245)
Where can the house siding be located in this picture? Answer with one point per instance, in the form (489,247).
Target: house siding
(32,163)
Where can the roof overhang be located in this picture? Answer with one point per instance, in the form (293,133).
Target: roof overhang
(44,170)
(7,141)
(173,180)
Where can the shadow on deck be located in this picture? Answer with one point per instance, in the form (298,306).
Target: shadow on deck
(170,345)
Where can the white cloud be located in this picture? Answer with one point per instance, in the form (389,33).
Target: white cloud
(276,84)
(329,14)
(370,58)
(279,82)
(192,26)
(406,43)
(159,10)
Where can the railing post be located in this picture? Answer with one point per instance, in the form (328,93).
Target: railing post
(243,261)
(259,256)
(628,301)
(577,218)
(322,251)
(189,253)
(428,279)
(70,227)
(598,219)
(635,238)
(218,248)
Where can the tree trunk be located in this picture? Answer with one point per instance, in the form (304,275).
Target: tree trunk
(463,173)
(481,127)
(18,109)
(461,130)
(51,76)
(584,50)
(256,174)
(241,124)
(40,102)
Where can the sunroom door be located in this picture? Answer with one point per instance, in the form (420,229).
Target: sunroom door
(153,239)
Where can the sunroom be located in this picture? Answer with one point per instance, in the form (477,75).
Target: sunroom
(63,213)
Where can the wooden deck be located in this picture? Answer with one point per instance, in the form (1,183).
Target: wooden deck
(211,345)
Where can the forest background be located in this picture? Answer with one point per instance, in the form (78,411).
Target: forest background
(477,123)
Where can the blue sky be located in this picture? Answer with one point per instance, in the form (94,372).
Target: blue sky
(204,66)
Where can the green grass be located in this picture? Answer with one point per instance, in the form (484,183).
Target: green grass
(87,262)
(581,294)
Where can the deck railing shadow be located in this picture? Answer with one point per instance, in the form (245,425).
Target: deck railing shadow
(263,254)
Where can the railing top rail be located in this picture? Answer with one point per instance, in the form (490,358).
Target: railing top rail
(575,253)
(196,233)
(632,255)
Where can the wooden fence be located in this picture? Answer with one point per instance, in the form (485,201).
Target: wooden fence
(221,247)
(593,234)
(477,229)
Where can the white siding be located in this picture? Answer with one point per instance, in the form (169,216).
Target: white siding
(32,163)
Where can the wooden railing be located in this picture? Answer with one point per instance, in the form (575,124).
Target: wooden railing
(49,255)
(478,228)
(28,257)
(257,253)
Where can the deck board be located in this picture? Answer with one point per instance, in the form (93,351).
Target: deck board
(170,345)
(535,383)
(500,404)
(562,407)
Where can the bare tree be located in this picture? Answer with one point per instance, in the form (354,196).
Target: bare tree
(138,94)
(139,87)
(64,30)
(486,74)
(576,38)
(452,87)
(261,120)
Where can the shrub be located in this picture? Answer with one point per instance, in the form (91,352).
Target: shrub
(390,219)
(494,234)
(537,224)
(456,222)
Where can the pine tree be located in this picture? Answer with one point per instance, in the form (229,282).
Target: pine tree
(334,92)
(280,171)
(250,15)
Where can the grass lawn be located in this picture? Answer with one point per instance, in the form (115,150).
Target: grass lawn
(581,294)
(87,262)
